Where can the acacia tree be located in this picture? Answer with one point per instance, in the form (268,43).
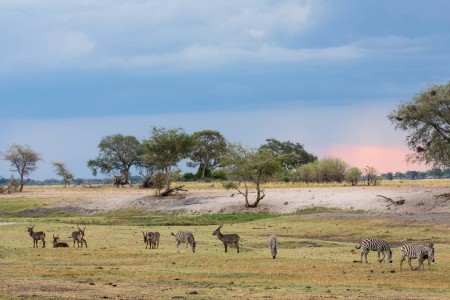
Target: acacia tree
(426,118)
(252,166)
(61,170)
(353,175)
(165,149)
(118,153)
(23,160)
(371,175)
(209,149)
(291,155)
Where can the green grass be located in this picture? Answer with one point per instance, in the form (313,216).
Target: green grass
(315,259)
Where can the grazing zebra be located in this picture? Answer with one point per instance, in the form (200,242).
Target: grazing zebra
(184,237)
(373,244)
(273,245)
(421,252)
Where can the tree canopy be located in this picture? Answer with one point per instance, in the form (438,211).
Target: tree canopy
(61,170)
(292,155)
(426,118)
(118,153)
(209,149)
(23,160)
(165,149)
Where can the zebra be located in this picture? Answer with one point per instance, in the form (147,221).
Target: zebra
(184,237)
(374,244)
(420,252)
(273,245)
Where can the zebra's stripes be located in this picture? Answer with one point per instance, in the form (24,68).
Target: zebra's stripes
(374,244)
(273,245)
(421,252)
(184,237)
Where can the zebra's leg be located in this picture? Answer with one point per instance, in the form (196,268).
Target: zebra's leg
(178,245)
(401,261)
(409,262)
(429,263)
(420,263)
(366,251)
(362,253)
(384,255)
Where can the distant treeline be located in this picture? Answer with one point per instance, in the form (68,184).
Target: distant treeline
(409,175)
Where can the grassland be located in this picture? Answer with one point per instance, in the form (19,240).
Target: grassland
(315,260)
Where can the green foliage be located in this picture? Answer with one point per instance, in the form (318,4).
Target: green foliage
(426,118)
(166,148)
(208,151)
(117,154)
(189,177)
(325,170)
(353,175)
(290,155)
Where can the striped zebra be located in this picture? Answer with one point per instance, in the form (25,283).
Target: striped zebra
(184,237)
(273,245)
(421,252)
(373,244)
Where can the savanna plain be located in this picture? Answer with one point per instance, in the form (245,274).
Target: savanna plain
(317,226)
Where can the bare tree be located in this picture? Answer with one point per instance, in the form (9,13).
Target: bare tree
(23,160)
(371,175)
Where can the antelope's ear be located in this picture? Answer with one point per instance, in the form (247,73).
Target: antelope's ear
(220,225)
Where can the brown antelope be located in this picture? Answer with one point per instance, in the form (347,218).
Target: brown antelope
(147,240)
(57,244)
(153,238)
(78,236)
(40,235)
(227,238)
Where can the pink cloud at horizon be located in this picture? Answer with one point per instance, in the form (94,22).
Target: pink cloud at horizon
(384,159)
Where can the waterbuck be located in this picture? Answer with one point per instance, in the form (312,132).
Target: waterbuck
(146,240)
(273,245)
(153,238)
(57,244)
(40,235)
(78,236)
(227,238)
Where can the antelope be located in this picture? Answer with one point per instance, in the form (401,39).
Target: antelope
(153,239)
(78,236)
(57,244)
(227,238)
(40,235)
(146,240)
(273,245)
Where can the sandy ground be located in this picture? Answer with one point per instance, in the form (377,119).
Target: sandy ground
(422,200)
(417,200)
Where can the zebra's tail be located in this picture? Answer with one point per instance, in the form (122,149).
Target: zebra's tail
(358,246)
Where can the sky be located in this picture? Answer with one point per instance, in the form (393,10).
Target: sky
(322,73)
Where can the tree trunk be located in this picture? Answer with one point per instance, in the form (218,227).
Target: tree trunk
(21,182)
(168,174)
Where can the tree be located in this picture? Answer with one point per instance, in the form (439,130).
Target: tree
(23,160)
(118,153)
(61,170)
(209,148)
(353,175)
(426,118)
(291,155)
(256,166)
(371,175)
(165,149)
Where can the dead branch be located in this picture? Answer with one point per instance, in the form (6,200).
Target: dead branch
(175,189)
(396,202)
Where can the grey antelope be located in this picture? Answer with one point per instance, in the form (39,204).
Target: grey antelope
(184,237)
(373,244)
(36,236)
(421,252)
(151,239)
(57,244)
(78,236)
(226,239)
(273,245)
